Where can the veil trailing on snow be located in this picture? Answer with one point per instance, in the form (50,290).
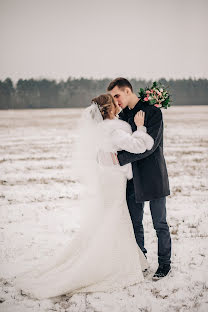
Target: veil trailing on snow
(96,258)
(84,170)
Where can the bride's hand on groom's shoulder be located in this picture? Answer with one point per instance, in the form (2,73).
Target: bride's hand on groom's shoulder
(139,118)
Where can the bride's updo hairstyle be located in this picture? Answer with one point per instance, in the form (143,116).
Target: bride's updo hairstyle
(104,103)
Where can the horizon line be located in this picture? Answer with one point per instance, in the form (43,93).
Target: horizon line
(93,78)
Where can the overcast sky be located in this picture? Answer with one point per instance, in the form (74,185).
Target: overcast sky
(87,38)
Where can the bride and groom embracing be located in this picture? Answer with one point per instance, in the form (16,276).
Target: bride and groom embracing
(122,166)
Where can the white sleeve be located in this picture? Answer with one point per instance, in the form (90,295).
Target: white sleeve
(149,142)
(136,143)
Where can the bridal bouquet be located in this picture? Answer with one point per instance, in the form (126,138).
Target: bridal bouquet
(156,95)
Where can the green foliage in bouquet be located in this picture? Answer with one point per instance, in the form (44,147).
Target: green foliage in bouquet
(155,95)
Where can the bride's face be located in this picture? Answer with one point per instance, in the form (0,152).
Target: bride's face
(115,109)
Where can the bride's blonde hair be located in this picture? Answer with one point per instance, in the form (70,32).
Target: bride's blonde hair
(104,102)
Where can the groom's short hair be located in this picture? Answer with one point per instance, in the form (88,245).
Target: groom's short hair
(120,83)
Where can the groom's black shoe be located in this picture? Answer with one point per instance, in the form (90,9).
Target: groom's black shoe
(162,271)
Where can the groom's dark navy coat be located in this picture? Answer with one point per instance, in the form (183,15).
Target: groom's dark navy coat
(150,175)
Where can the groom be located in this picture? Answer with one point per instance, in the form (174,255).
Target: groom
(150,178)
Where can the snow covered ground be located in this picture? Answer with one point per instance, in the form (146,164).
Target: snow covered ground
(40,210)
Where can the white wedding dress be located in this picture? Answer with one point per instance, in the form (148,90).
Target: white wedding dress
(104,255)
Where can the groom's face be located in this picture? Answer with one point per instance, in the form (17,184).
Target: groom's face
(121,96)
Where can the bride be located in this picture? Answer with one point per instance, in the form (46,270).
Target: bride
(104,255)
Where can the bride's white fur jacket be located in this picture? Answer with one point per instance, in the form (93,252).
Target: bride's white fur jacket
(116,135)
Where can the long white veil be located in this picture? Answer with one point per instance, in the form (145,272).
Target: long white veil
(84,155)
(85,170)
(86,167)
(88,151)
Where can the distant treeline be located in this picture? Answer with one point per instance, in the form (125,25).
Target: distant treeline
(43,93)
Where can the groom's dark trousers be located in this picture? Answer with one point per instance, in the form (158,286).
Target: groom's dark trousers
(150,180)
(158,212)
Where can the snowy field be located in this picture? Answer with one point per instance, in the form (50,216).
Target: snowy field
(40,211)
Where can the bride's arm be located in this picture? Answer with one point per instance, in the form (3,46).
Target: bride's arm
(147,138)
(138,142)
(155,129)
